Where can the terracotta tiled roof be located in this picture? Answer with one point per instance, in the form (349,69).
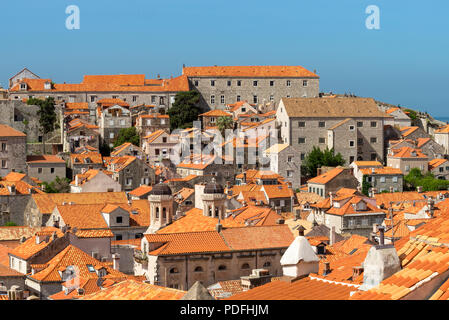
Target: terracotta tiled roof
(276,148)
(7,131)
(382,171)
(77,158)
(434,163)
(140,191)
(308,288)
(368,163)
(72,256)
(17,232)
(44,159)
(154,135)
(444,129)
(94,233)
(133,290)
(249,71)
(14,176)
(422,141)
(184,193)
(216,113)
(277,191)
(326,177)
(406,152)
(348,208)
(254,216)
(119,163)
(21,188)
(46,202)
(29,248)
(77,105)
(308,197)
(406,131)
(195,221)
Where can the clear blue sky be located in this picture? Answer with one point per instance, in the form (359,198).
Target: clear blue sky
(405,62)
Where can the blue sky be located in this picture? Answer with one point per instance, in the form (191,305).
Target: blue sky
(405,62)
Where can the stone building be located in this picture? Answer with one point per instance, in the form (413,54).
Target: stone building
(407,158)
(80,133)
(222,85)
(128,149)
(94,181)
(111,119)
(351,126)
(158,146)
(439,168)
(285,160)
(332,180)
(80,163)
(211,256)
(384,179)
(149,123)
(135,89)
(131,172)
(442,137)
(25,73)
(46,167)
(12,150)
(400,119)
(210,118)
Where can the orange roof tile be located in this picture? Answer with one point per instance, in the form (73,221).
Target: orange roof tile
(45,158)
(381,171)
(7,131)
(406,152)
(248,71)
(326,177)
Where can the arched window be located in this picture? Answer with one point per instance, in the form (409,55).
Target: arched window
(216,212)
(164,214)
(222,267)
(174,270)
(198,269)
(157,212)
(267,264)
(245,266)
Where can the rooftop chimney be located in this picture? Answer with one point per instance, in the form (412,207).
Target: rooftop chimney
(301,230)
(218,227)
(381,235)
(327,268)
(332,236)
(331,199)
(116,261)
(356,271)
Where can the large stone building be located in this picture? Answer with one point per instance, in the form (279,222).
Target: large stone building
(222,85)
(46,167)
(12,150)
(351,126)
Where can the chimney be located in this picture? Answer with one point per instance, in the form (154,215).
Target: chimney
(331,199)
(116,261)
(301,230)
(430,205)
(391,189)
(381,235)
(218,227)
(356,271)
(280,221)
(419,189)
(76,180)
(327,268)
(244,178)
(332,236)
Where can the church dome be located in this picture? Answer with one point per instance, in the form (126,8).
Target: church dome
(213,188)
(161,189)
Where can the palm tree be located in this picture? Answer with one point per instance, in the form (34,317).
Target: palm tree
(224,123)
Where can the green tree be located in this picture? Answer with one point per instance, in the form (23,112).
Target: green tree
(184,110)
(318,158)
(428,181)
(127,135)
(224,123)
(104,149)
(365,185)
(10,224)
(59,185)
(47,115)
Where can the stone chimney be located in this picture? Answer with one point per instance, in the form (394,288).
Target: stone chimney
(332,236)
(331,199)
(116,261)
(327,268)
(299,259)
(244,178)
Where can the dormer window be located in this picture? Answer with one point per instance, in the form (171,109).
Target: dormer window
(90,268)
(23,86)
(47,85)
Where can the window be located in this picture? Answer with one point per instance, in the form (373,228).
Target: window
(351,128)
(196,83)
(164,139)
(373,156)
(255,99)
(407,168)
(267,264)
(122,122)
(289,158)
(321,124)
(289,83)
(271,98)
(301,140)
(111,122)
(110,189)
(71,99)
(303,156)
(222,99)
(222,267)
(129,181)
(373,124)
(174,270)
(198,269)
(39,170)
(238,98)
(229,83)
(351,159)
(52,170)
(212,83)
(239,83)
(321,140)
(156,152)
(118,237)
(359,124)
(212,99)
(134,98)
(271,83)
(90,268)
(395,179)
(93,98)
(245,266)
(305,83)
(360,141)
(373,140)
(111,135)
(119,220)
(301,124)
(153,99)
(382,179)
(351,143)
(289,173)
(255,83)
(3,146)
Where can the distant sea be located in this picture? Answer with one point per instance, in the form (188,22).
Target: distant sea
(444,119)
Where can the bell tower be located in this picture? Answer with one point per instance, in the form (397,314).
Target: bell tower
(214,200)
(161,207)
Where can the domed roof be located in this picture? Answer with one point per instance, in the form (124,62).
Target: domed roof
(161,189)
(213,188)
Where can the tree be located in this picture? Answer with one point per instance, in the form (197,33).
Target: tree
(365,185)
(224,123)
(127,135)
(318,158)
(59,185)
(104,149)
(428,181)
(47,115)
(184,110)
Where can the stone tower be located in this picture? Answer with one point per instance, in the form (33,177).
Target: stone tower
(161,207)
(214,200)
